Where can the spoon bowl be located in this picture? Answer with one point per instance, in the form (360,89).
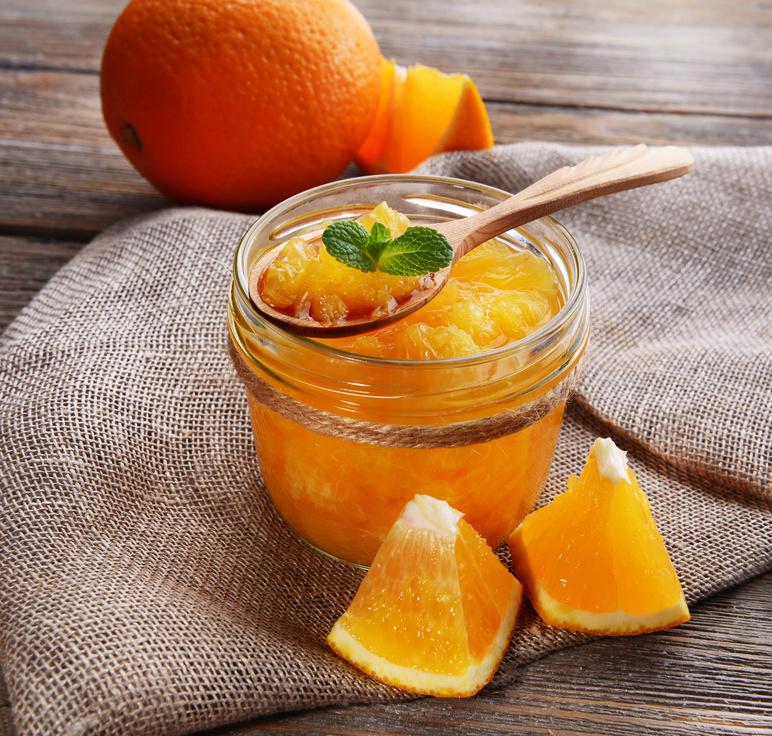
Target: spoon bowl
(594,177)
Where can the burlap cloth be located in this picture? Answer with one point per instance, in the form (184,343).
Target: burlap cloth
(148,587)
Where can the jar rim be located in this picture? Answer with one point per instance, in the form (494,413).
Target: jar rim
(240,280)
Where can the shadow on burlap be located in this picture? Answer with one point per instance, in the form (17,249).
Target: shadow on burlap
(146,584)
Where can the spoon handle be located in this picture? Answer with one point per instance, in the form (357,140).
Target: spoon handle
(612,172)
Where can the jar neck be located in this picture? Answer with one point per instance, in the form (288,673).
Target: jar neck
(279,369)
(455,434)
(409,392)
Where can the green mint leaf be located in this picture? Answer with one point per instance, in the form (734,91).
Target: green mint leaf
(417,251)
(380,237)
(380,233)
(346,241)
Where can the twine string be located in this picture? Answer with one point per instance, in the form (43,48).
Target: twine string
(457,434)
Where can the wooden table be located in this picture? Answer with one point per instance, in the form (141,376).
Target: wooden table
(692,72)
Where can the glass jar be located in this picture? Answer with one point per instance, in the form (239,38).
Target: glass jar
(344,440)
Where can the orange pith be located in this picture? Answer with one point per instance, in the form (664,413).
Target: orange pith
(240,104)
(436,610)
(423,112)
(593,559)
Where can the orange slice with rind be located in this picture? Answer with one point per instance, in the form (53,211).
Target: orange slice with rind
(435,612)
(423,112)
(593,559)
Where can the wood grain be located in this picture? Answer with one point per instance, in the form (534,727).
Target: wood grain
(63,175)
(654,56)
(688,56)
(26,264)
(579,73)
(612,72)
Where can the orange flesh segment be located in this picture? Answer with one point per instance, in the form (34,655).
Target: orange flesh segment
(487,589)
(435,612)
(593,559)
(658,588)
(470,129)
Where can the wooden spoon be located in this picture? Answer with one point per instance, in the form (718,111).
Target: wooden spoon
(594,177)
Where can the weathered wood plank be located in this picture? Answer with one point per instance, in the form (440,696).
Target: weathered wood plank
(69,192)
(61,175)
(513,122)
(655,56)
(614,54)
(26,265)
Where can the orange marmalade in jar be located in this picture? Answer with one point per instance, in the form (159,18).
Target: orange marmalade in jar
(462,400)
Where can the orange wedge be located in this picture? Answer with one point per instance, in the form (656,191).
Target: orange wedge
(423,112)
(593,560)
(436,610)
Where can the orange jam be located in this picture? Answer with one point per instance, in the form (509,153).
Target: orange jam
(343,497)
(304,280)
(492,342)
(494,296)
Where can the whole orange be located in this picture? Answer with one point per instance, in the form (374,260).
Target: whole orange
(238,104)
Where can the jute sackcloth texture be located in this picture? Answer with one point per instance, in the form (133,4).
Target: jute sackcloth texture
(146,584)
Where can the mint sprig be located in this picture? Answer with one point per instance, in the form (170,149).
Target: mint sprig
(417,251)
